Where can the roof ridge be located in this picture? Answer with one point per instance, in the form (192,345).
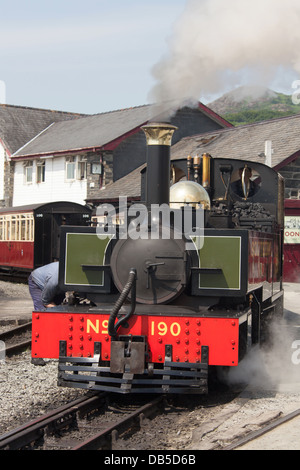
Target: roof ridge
(4,105)
(122,109)
(268,121)
(89,116)
(253,124)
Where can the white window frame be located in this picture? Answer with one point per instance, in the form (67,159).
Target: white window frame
(71,162)
(40,171)
(81,168)
(17,227)
(28,166)
(77,168)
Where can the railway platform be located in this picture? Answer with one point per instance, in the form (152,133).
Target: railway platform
(15,311)
(15,303)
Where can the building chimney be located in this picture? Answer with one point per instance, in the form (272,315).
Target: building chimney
(268,153)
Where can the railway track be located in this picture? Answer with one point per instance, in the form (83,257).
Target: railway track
(268,429)
(16,339)
(106,422)
(83,424)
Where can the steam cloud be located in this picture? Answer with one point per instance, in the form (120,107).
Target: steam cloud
(272,365)
(217,43)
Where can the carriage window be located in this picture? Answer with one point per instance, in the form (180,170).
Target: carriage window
(17,227)
(26,227)
(14,228)
(29,231)
(8,228)
(23,228)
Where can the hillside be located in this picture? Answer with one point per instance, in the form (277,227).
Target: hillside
(245,105)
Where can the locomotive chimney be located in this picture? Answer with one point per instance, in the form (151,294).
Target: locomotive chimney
(159,138)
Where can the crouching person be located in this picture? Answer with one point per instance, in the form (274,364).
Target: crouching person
(44,288)
(45,292)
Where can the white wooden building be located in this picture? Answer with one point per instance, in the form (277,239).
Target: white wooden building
(19,125)
(50,179)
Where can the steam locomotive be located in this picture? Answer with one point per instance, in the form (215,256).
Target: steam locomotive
(184,282)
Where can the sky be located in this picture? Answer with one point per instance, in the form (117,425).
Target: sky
(94,56)
(86,56)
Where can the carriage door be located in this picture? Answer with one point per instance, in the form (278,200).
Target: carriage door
(57,221)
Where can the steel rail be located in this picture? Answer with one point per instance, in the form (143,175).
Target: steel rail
(104,439)
(17,347)
(15,331)
(57,419)
(260,432)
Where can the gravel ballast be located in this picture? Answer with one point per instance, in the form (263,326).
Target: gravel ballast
(26,391)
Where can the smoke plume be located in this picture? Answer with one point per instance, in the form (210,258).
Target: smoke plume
(216,44)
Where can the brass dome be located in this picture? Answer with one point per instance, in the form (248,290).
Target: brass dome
(188,193)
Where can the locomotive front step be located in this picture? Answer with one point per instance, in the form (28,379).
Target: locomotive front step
(170,377)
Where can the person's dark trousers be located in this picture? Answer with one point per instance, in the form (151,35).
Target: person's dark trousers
(36,295)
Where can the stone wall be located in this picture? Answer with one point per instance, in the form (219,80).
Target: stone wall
(8,184)
(96,182)
(291,175)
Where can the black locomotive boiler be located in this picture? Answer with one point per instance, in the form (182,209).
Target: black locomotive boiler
(183,282)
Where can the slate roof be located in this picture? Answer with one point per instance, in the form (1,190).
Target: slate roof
(245,142)
(98,131)
(19,124)
(129,186)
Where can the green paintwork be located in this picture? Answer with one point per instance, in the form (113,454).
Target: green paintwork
(220,253)
(84,249)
